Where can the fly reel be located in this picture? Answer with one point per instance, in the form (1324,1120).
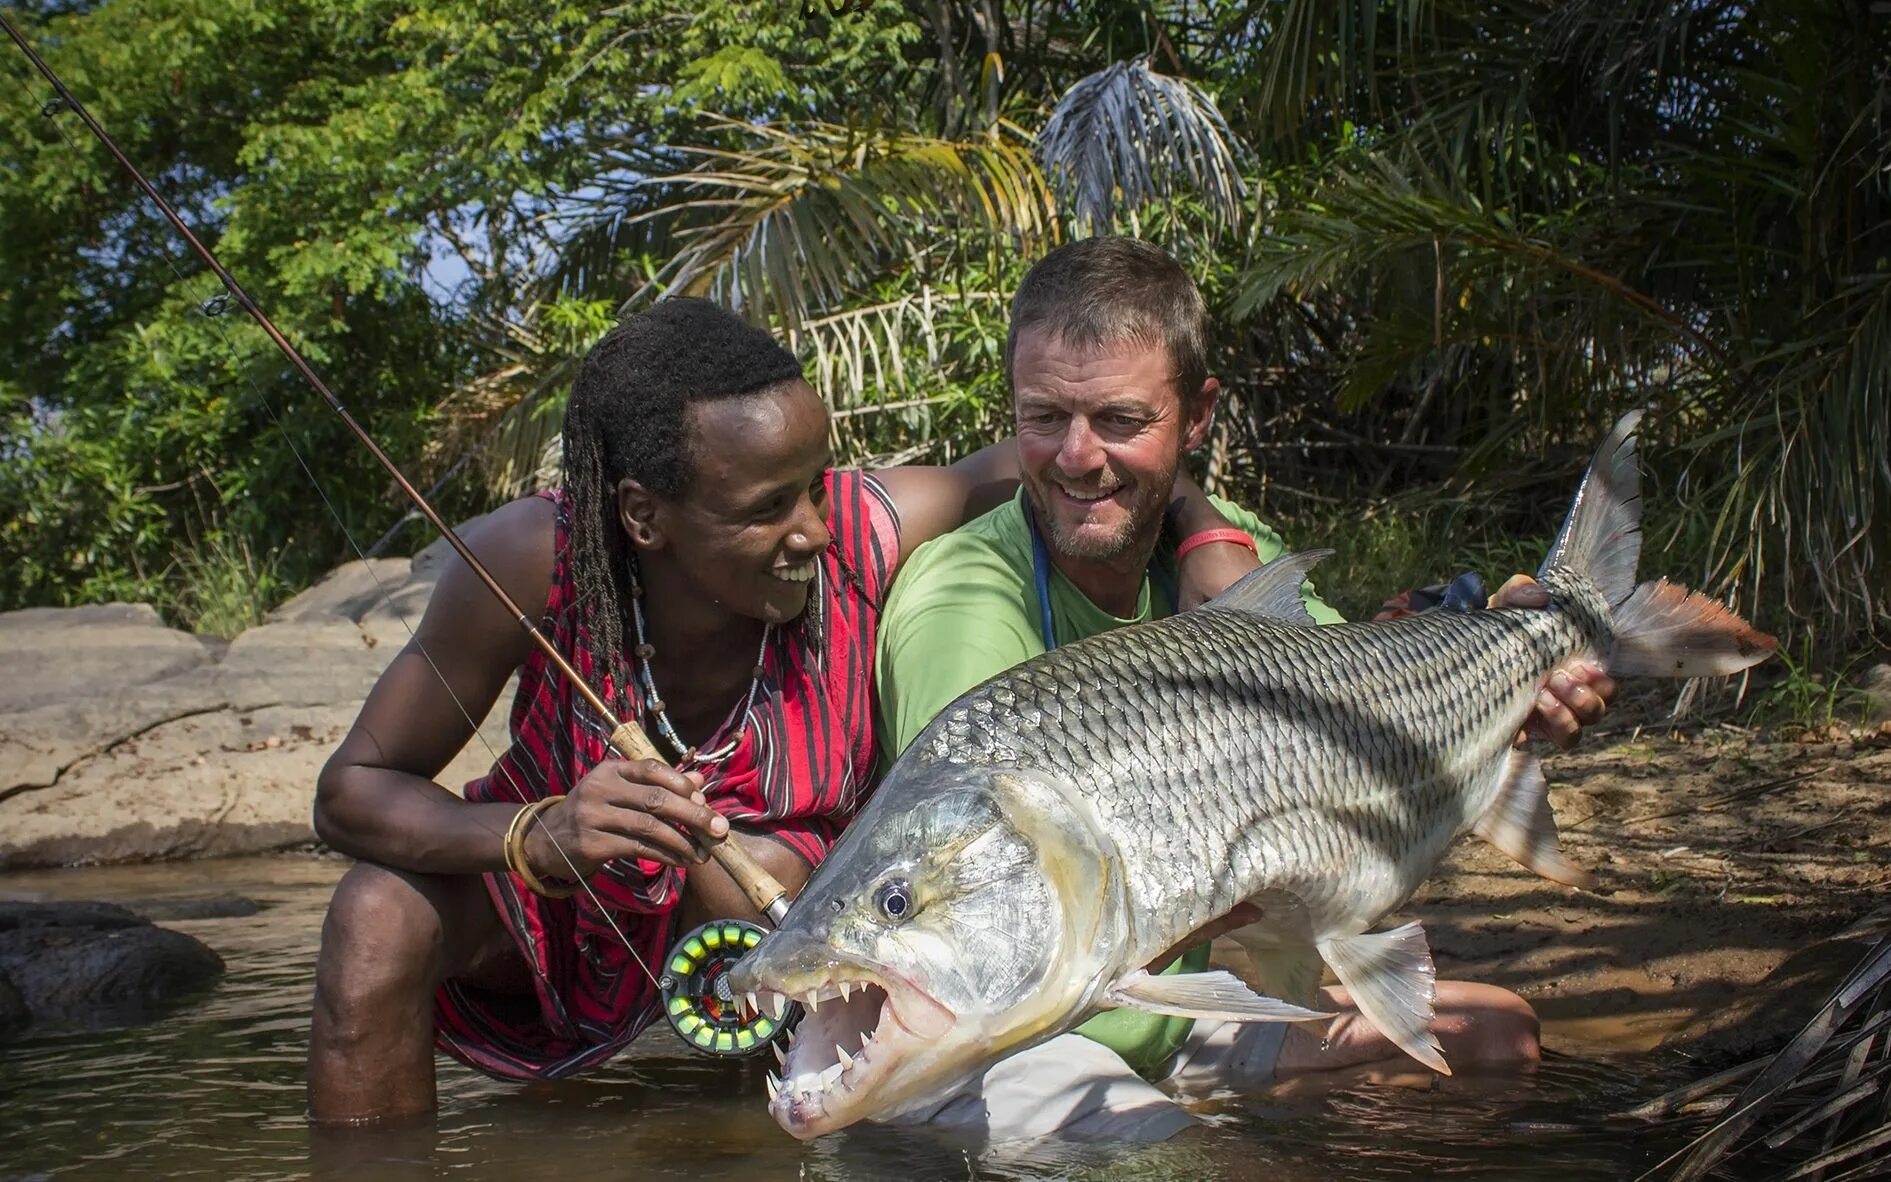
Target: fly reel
(698,1001)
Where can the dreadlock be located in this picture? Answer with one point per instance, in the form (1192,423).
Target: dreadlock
(627,417)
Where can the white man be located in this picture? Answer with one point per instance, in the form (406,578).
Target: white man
(1108,367)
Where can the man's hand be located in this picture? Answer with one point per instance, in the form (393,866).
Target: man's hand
(623,809)
(1578,693)
(1209,570)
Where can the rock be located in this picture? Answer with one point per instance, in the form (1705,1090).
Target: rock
(225,906)
(1876,684)
(346,593)
(16,916)
(132,741)
(14,1016)
(97,964)
(71,653)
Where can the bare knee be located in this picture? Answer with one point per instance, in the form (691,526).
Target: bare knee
(383,945)
(1486,1025)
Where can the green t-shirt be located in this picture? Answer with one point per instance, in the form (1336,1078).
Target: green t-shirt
(964,608)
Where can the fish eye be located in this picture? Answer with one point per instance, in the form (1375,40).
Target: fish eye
(894,899)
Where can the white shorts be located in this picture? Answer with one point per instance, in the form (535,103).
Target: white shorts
(1073,1087)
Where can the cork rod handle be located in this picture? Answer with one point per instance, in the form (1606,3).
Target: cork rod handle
(768,895)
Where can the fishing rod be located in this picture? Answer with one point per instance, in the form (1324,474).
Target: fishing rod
(696,999)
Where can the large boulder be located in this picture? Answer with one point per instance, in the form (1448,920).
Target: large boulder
(95,964)
(67,654)
(122,739)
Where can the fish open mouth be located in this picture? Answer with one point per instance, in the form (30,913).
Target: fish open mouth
(858,1025)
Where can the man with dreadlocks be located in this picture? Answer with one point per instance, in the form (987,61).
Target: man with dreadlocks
(711,576)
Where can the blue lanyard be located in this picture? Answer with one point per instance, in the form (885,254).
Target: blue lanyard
(1041,568)
(1041,571)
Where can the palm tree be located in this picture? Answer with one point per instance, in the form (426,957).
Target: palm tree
(1536,214)
(1446,240)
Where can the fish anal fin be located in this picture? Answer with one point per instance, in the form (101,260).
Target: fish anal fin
(1276,955)
(1273,591)
(1214,995)
(1391,979)
(1291,974)
(1520,823)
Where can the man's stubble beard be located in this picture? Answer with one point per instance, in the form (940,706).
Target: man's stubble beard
(1136,532)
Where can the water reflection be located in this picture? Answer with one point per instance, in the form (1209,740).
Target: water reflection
(215,1090)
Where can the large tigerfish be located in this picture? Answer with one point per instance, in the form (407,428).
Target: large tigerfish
(1065,823)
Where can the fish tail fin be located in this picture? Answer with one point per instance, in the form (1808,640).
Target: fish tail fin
(1520,823)
(1393,982)
(1665,630)
(1659,629)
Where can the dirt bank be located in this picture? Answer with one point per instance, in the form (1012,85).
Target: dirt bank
(1718,856)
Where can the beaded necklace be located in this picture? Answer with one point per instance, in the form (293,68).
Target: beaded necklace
(653,701)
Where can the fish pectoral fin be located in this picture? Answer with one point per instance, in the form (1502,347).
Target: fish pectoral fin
(1274,590)
(1393,982)
(1520,823)
(1216,995)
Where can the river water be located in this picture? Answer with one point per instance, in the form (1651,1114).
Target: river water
(215,1090)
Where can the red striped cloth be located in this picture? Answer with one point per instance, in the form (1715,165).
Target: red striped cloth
(801,771)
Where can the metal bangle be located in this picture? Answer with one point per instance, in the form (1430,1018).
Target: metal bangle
(518,864)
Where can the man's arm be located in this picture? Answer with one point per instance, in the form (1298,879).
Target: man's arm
(932,500)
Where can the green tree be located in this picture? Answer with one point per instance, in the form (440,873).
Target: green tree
(1447,243)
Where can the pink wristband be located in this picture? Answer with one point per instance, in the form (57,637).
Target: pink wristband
(1238,536)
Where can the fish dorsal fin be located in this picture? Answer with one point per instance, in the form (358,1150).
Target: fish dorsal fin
(1274,590)
(1214,995)
(1519,821)
(1393,982)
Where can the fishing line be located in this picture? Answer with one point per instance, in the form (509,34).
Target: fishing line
(711,1021)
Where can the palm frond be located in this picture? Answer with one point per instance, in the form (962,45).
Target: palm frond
(804,219)
(1126,136)
(500,423)
(1816,1105)
(878,346)
(1438,270)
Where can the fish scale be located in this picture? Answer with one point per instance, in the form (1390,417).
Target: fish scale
(1271,748)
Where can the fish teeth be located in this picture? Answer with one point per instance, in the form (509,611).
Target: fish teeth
(812,1000)
(777,1003)
(846,1060)
(774,1088)
(831,1075)
(755,1007)
(780,1056)
(846,987)
(866,1036)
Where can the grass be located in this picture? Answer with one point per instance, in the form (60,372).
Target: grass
(1381,550)
(1806,697)
(222,587)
